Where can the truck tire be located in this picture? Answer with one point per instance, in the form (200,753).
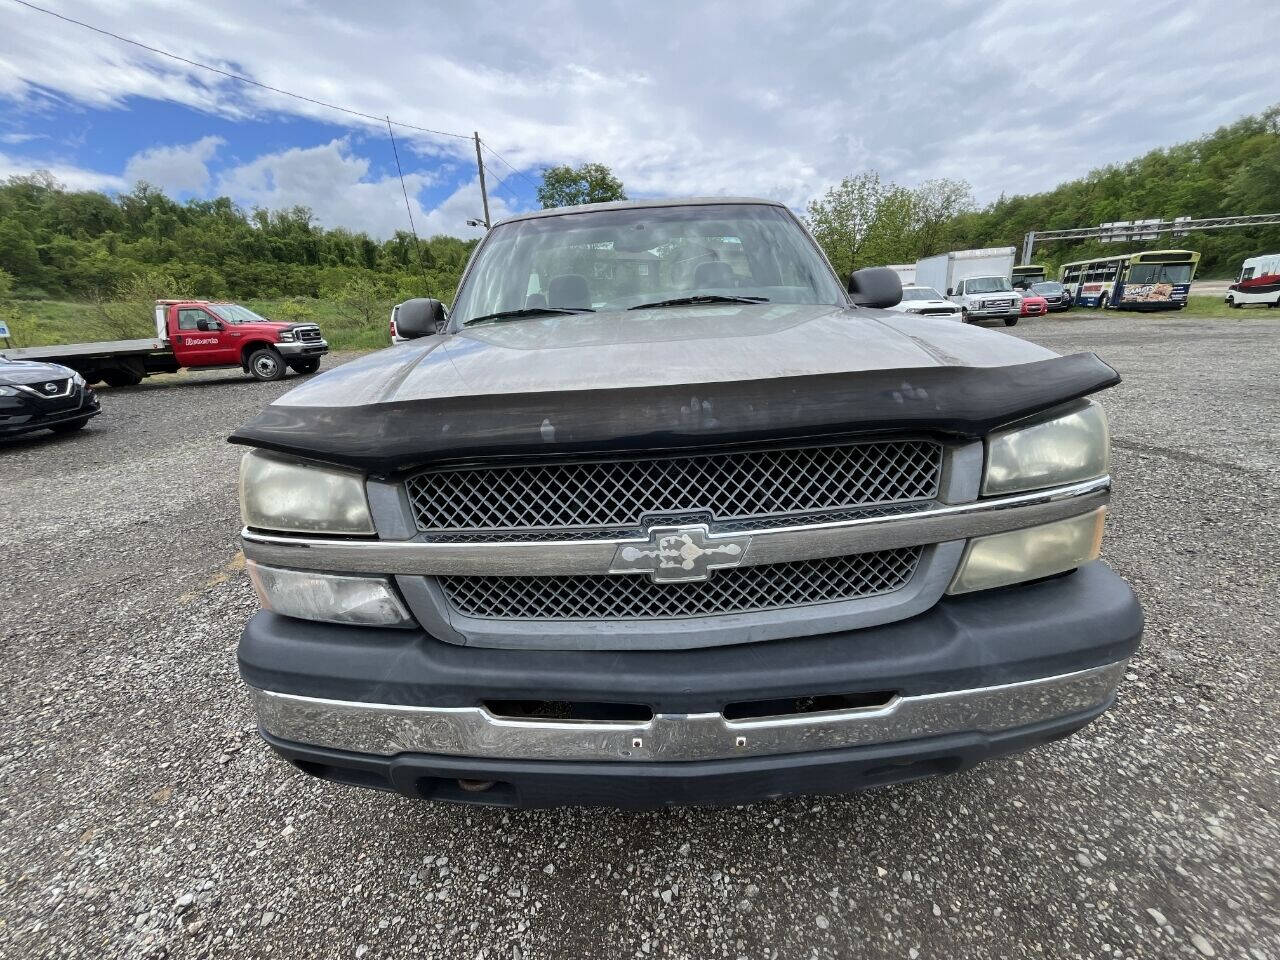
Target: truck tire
(122,377)
(305,366)
(1102,302)
(1010,321)
(1231,302)
(265,364)
(964,315)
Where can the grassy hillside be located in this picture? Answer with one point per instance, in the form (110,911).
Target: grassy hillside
(38,323)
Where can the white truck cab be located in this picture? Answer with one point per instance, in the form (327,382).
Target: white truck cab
(986,298)
(979,282)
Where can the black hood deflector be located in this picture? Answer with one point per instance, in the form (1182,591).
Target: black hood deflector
(959,402)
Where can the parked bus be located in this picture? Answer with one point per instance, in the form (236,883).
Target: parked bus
(1154,280)
(1024,275)
(1259,282)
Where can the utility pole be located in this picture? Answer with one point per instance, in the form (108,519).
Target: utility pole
(484,194)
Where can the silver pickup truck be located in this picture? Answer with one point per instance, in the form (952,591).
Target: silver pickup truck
(662,513)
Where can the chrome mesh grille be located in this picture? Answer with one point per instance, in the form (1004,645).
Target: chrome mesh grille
(727,486)
(636,597)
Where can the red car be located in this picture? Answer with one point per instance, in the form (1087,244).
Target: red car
(1033,305)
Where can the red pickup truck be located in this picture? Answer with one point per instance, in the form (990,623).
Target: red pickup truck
(193,333)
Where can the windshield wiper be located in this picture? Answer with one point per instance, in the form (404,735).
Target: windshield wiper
(526,312)
(700,298)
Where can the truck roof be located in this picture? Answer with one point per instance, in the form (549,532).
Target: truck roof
(638,204)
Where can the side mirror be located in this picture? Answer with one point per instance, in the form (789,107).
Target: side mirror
(420,317)
(207,325)
(951,291)
(875,287)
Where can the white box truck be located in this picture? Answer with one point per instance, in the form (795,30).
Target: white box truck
(978,281)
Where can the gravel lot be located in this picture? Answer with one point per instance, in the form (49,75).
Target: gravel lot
(140,815)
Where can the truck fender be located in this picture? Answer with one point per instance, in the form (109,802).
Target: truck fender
(247,351)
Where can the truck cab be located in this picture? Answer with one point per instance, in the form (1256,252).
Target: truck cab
(205,333)
(986,298)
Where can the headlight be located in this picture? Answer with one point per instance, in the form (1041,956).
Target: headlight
(8,392)
(1029,554)
(77,380)
(361,601)
(277,493)
(1074,446)
(285,336)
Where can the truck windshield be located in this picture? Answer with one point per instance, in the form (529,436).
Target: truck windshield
(987,285)
(234,313)
(618,259)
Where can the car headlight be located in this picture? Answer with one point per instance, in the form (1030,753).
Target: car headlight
(329,598)
(77,380)
(1019,555)
(285,336)
(279,493)
(1065,449)
(8,392)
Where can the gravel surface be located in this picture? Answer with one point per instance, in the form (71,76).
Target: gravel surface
(140,815)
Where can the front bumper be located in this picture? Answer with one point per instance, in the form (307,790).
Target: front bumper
(22,415)
(303,349)
(974,677)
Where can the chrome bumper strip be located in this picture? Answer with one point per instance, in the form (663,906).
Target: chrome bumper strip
(384,729)
(775,545)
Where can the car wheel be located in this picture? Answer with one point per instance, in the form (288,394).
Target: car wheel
(265,364)
(1010,321)
(71,427)
(1231,302)
(1102,302)
(305,366)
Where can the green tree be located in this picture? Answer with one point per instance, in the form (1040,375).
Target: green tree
(129,312)
(365,299)
(566,186)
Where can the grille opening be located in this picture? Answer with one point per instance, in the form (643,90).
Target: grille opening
(636,597)
(619,493)
(569,711)
(790,706)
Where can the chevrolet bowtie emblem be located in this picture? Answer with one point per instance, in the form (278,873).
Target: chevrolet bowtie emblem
(680,554)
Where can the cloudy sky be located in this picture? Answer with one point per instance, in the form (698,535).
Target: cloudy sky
(763,98)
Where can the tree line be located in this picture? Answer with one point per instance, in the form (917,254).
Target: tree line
(63,244)
(1233,171)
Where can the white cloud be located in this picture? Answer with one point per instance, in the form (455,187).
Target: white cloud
(71,176)
(334,182)
(754,97)
(176,169)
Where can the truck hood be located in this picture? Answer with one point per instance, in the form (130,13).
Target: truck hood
(684,345)
(32,371)
(687,376)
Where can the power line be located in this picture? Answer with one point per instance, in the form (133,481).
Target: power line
(405,190)
(238,77)
(502,182)
(522,176)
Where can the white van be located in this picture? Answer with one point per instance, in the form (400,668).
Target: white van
(1259,282)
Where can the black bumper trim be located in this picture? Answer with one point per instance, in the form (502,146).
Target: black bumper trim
(48,423)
